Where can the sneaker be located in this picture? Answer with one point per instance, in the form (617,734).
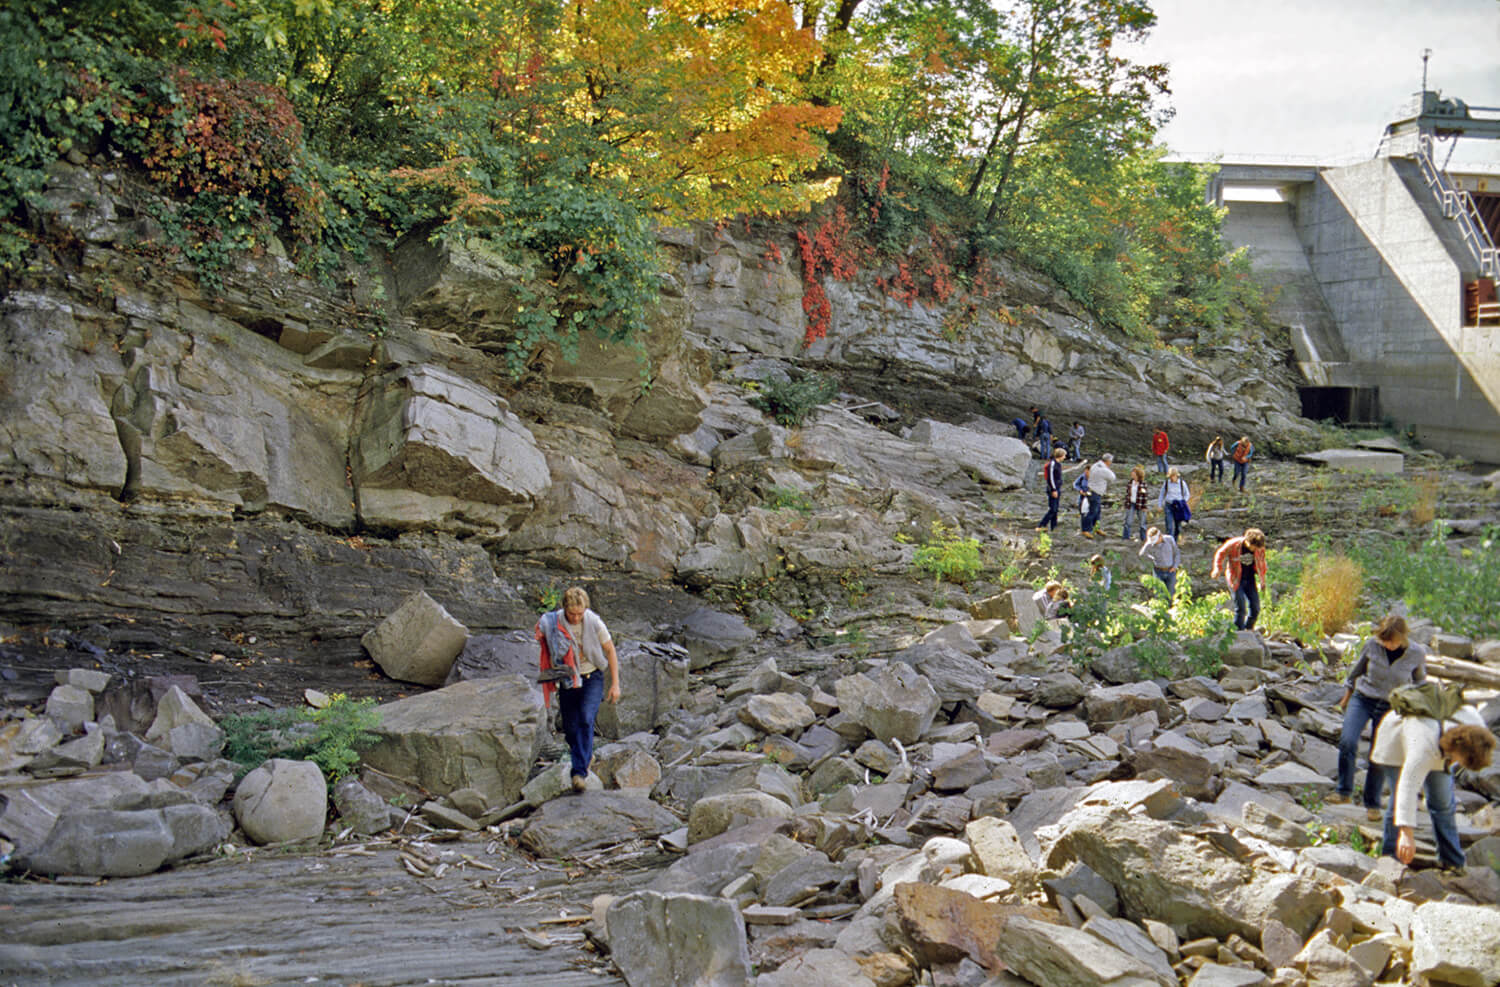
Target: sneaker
(1373,814)
(1338,798)
(579,783)
(1088,534)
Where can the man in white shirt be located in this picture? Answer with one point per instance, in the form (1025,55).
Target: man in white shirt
(1100,477)
(1414,752)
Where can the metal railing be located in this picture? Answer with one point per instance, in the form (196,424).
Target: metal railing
(1458,205)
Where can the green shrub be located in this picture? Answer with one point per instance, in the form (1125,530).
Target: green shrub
(1456,590)
(331,737)
(790,401)
(948,555)
(787,499)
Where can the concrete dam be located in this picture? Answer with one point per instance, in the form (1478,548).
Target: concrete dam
(1384,272)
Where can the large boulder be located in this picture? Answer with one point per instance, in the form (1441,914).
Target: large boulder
(417,642)
(894,702)
(653,684)
(479,734)
(282,801)
(567,826)
(126,843)
(678,940)
(1456,944)
(999,460)
(432,446)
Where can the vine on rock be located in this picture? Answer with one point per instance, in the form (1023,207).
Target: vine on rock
(828,250)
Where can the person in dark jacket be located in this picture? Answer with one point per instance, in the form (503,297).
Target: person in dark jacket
(1387,660)
(1052,475)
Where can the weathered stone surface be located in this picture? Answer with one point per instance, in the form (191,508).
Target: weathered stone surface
(480,734)
(946,925)
(418,642)
(71,706)
(31,812)
(1056,954)
(1324,962)
(894,702)
(282,801)
(781,712)
(654,682)
(678,940)
(818,966)
(998,852)
(105,843)
(715,814)
(593,819)
(1456,943)
(359,808)
(999,460)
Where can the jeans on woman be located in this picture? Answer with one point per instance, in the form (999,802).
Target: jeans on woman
(1439,785)
(1168,578)
(1361,710)
(1169,522)
(1139,516)
(579,708)
(1247,605)
(1216,471)
(1091,516)
(1241,470)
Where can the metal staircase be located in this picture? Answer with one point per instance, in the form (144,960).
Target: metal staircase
(1458,206)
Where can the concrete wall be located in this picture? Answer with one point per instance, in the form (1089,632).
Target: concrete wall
(1388,270)
(1392,269)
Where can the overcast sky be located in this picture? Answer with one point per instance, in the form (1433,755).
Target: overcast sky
(1319,78)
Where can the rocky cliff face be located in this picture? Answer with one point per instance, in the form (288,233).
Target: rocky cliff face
(283,457)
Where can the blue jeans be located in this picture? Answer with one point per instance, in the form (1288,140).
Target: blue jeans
(1077,446)
(1161,463)
(1241,470)
(1049,520)
(1169,578)
(579,708)
(1139,516)
(1247,606)
(1439,785)
(1361,710)
(1096,506)
(1216,471)
(1169,520)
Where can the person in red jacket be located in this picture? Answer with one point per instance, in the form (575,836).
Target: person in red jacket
(1159,447)
(1243,562)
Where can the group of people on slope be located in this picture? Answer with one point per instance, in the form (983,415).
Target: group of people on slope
(1407,752)
(1239,454)
(1093,481)
(1040,428)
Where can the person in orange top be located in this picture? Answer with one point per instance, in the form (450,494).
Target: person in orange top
(1243,562)
(1159,446)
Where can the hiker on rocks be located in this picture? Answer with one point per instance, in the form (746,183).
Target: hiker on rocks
(1019,424)
(1214,457)
(1099,572)
(1414,751)
(1159,446)
(1241,453)
(1165,556)
(1136,494)
(575,638)
(1100,477)
(1044,437)
(1243,561)
(1081,484)
(1173,501)
(1387,660)
(1052,474)
(1052,599)
(1075,440)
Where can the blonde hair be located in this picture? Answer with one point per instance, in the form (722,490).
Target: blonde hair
(1173,473)
(1052,588)
(576,596)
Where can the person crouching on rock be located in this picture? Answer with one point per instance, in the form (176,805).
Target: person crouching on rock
(575,638)
(1415,752)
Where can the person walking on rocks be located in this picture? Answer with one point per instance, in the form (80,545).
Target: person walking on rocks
(1241,453)
(1165,556)
(574,639)
(1099,572)
(1243,562)
(1215,459)
(1387,660)
(1100,477)
(1136,494)
(1159,446)
(1174,492)
(1414,752)
(1052,475)
(1044,437)
(1075,440)
(1019,424)
(1081,484)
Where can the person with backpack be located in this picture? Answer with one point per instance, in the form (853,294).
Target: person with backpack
(1414,745)
(1100,477)
(575,642)
(1241,453)
(1243,561)
(1389,659)
(1052,475)
(1173,501)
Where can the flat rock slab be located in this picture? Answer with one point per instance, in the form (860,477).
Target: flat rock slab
(1356,460)
(324,917)
(591,820)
